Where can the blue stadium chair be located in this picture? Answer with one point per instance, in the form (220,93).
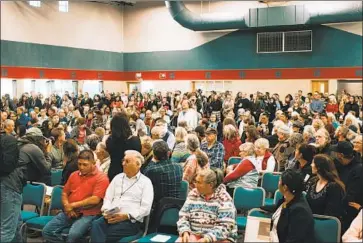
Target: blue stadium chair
(277,196)
(234,160)
(184,190)
(140,234)
(34,195)
(246,199)
(38,223)
(327,229)
(56,177)
(169,217)
(270,182)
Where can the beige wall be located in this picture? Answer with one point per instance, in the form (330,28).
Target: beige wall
(87,25)
(114,86)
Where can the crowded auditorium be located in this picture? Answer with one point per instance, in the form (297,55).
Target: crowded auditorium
(181,121)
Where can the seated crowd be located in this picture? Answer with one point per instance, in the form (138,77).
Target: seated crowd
(121,155)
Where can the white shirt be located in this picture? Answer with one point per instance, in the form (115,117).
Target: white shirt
(271,162)
(190,116)
(133,196)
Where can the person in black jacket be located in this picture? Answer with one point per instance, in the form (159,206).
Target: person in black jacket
(71,152)
(292,219)
(351,106)
(11,182)
(350,172)
(119,141)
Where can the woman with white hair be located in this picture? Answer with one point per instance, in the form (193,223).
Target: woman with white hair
(245,173)
(309,134)
(180,152)
(265,159)
(358,148)
(231,142)
(282,150)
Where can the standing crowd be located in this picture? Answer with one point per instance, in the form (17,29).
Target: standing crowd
(122,154)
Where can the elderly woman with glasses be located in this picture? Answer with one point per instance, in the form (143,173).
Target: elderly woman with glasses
(265,160)
(208,215)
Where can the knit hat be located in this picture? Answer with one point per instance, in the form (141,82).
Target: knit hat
(284,129)
(34,132)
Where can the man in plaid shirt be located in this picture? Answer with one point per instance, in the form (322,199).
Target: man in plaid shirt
(214,149)
(165,176)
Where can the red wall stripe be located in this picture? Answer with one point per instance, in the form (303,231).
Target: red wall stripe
(289,73)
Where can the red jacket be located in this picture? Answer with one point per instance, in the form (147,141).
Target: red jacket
(333,108)
(231,148)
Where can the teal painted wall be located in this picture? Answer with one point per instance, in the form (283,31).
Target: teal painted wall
(37,55)
(237,50)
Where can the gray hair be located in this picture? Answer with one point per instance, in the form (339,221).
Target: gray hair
(212,176)
(249,148)
(262,143)
(295,139)
(136,154)
(157,131)
(7,122)
(180,134)
(92,141)
(309,130)
(192,142)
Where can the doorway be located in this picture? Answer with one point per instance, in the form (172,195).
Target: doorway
(131,86)
(321,86)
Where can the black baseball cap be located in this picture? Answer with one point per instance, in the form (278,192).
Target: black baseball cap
(344,147)
(211,130)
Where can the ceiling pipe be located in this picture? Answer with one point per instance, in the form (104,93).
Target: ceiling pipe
(305,14)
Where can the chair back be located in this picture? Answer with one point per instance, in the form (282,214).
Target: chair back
(56,200)
(56,177)
(34,194)
(327,229)
(234,160)
(169,217)
(184,189)
(278,196)
(248,198)
(270,182)
(256,212)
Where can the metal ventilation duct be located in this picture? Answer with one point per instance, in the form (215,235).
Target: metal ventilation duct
(306,14)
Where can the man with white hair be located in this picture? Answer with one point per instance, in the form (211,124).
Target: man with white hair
(128,200)
(9,127)
(165,134)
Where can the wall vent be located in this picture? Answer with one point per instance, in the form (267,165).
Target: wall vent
(289,41)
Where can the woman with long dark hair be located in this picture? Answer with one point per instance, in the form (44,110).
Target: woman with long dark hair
(70,162)
(119,141)
(325,192)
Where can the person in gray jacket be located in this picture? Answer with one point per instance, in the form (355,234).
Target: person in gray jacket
(35,155)
(11,183)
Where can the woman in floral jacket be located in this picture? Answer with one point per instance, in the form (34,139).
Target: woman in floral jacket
(208,215)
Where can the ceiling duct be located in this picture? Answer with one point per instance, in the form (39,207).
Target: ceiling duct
(311,13)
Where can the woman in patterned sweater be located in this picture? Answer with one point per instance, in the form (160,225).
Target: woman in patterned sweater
(208,214)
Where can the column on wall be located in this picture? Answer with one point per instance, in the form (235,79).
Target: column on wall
(100,85)
(15,89)
(75,87)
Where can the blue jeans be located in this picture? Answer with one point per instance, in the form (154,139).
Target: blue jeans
(10,215)
(102,232)
(78,228)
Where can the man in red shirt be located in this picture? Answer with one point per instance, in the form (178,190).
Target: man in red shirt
(82,200)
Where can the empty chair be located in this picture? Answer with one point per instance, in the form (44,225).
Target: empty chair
(278,196)
(184,189)
(38,223)
(234,160)
(326,228)
(270,182)
(246,199)
(166,216)
(56,178)
(34,195)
